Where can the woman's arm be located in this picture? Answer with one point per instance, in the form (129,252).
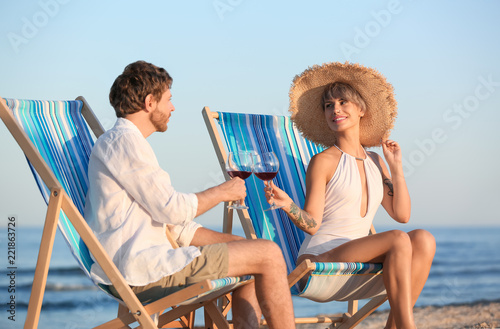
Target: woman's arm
(307,219)
(396,200)
(301,218)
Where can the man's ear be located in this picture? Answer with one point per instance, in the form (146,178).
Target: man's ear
(149,103)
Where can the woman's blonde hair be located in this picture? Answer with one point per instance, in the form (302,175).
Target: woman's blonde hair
(343,91)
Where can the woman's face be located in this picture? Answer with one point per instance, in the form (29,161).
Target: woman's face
(341,114)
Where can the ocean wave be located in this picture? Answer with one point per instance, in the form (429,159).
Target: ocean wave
(478,271)
(69,287)
(73,270)
(477,262)
(65,304)
(58,286)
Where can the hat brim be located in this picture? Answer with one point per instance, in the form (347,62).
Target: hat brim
(307,112)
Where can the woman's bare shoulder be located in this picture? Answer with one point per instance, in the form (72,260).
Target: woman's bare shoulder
(328,155)
(325,162)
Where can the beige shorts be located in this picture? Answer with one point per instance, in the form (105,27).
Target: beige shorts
(212,264)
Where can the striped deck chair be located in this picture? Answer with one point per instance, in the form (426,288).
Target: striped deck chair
(55,137)
(328,281)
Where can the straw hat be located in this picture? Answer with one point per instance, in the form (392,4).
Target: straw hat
(307,113)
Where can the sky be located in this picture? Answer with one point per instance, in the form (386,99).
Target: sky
(241,56)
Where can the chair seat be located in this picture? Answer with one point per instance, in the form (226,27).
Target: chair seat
(351,281)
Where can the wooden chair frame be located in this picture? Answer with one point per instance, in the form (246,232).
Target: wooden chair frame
(131,310)
(353,316)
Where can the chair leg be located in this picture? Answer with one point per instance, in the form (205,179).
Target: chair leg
(187,321)
(43,261)
(225,303)
(191,320)
(184,321)
(352,307)
(122,310)
(209,324)
(179,317)
(214,318)
(363,312)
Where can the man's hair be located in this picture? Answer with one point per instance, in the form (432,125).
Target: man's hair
(343,91)
(138,80)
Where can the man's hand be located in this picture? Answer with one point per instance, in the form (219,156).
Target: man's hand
(228,191)
(233,189)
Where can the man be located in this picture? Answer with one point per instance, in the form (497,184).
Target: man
(131,201)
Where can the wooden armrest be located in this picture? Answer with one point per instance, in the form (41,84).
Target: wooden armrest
(300,271)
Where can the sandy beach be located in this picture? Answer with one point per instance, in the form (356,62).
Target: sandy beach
(479,315)
(467,316)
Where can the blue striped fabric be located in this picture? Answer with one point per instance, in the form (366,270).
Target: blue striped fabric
(346,268)
(262,133)
(60,134)
(219,283)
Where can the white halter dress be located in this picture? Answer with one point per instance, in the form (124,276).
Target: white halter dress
(342,221)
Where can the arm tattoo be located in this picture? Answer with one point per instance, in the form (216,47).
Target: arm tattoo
(388,182)
(301,217)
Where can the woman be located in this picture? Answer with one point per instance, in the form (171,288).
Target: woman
(348,107)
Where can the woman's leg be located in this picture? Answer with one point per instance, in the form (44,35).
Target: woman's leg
(424,248)
(394,250)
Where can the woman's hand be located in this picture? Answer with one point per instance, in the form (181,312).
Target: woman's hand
(301,218)
(392,153)
(277,195)
(396,197)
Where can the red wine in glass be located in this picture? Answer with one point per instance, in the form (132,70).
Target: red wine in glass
(239,173)
(239,164)
(266,166)
(266,176)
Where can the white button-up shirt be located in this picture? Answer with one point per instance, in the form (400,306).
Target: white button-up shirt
(129,202)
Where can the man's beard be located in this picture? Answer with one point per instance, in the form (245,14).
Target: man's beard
(159,120)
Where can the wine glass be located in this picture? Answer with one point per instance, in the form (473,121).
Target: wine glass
(266,167)
(239,164)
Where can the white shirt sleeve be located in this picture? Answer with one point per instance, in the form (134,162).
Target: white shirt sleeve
(183,234)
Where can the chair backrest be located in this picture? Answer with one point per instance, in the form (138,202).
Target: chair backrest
(263,133)
(62,137)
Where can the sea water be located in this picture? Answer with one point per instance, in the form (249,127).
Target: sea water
(466,269)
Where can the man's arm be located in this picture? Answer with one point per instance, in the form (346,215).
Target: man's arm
(192,233)
(231,190)
(195,235)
